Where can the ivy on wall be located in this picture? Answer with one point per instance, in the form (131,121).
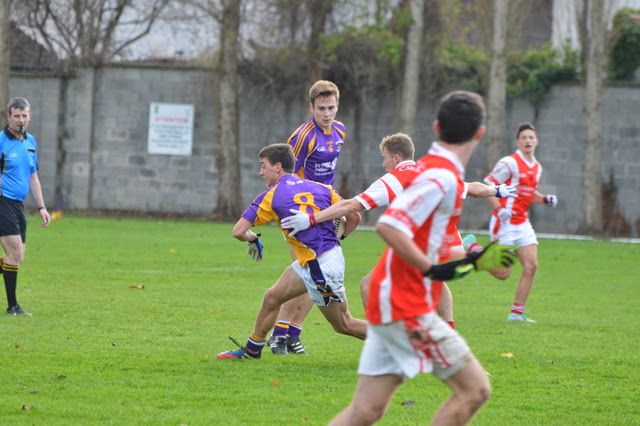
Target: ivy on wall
(625,52)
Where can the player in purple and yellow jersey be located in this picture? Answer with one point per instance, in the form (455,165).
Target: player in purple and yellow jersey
(318,142)
(319,266)
(316,145)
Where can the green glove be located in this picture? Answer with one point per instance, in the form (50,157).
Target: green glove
(493,256)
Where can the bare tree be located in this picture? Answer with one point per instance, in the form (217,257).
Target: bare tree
(593,90)
(89,32)
(411,75)
(497,96)
(5,57)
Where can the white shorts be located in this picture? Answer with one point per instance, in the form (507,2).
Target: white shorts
(508,234)
(425,344)
(324,277)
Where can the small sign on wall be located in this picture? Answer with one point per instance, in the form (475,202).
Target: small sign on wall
(170,129)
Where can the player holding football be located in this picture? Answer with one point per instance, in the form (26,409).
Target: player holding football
(319,268)
(509,221)
(397,159)
(316,144)
(405,336)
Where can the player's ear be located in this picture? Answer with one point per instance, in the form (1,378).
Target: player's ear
(436,127)
(480,132)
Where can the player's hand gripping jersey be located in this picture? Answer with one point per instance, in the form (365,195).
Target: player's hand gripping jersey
(291,192)
(316,151)
(428,212)
(514,170)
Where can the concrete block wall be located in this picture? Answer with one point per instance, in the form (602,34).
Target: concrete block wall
(126,177)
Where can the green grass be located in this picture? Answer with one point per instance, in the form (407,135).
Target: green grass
(97,351)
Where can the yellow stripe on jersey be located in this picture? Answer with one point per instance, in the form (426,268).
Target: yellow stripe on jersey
(265,213)
(307,128)
(312,144)
(303,253)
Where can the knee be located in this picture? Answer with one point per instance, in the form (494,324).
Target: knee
(479,396)
(484,393)
(341,327)
(368,414)
(530,267)
(271,299)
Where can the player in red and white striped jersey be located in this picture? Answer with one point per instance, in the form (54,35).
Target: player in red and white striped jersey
(510,221)
(405,336)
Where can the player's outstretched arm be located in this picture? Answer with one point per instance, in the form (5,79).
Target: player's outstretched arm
(550,200)
(481,190)
(299,220)
(404,246)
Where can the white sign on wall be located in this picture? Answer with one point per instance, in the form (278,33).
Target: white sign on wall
(170,129)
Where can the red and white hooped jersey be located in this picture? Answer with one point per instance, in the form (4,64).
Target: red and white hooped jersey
(383,191)
(516,171)
(428,212)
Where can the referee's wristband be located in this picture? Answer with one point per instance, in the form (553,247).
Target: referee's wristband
(42,208)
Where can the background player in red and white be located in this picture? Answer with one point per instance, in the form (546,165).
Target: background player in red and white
(509,221)
(405,336)
(316,144)
(397,159)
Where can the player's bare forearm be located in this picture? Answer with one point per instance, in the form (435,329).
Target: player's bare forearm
(339,209)
(481,190)
(242,230)
(537,198)
(457,253)
(404,247)
(494,202)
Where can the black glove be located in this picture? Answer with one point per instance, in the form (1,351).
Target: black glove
(450,271)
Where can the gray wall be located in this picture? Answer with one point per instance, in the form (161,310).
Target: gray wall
(125,177)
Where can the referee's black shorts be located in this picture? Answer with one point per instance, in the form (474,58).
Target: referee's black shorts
(13,221)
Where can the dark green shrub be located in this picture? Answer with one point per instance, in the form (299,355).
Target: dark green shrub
(625,52)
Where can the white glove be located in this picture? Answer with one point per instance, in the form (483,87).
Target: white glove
(550,200)
(504,215)
(505,190)
(296,223)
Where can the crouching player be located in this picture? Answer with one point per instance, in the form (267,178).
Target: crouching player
(319,268)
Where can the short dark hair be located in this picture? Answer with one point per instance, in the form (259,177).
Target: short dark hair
(398,143)
(18,103)
(524,126)
(279,153)
(460,115)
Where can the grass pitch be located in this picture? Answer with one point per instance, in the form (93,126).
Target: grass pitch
(129,316)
